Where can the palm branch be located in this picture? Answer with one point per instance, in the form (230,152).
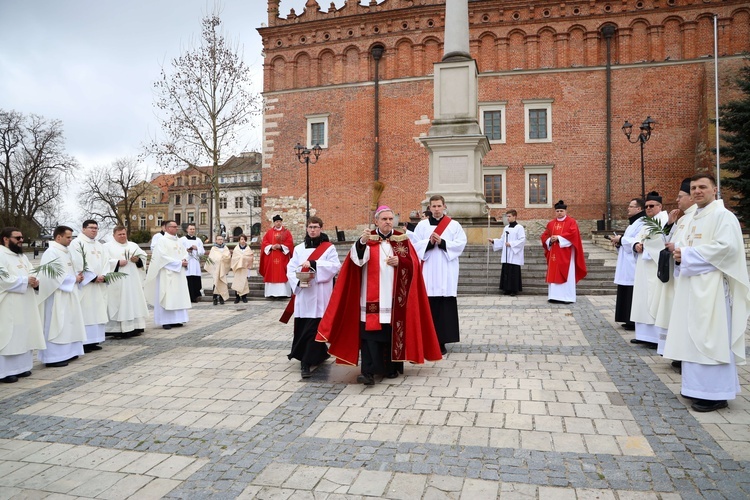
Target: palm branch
(113,276)
(82,251)
(51,269)
(653,226)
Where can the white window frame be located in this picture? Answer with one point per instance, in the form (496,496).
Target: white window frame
(537,169)
(319,118)
(143,202)
(494,106)
(497,170)
(191,217)
(545,104)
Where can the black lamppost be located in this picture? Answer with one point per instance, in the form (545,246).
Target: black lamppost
(643,137)
(303,155)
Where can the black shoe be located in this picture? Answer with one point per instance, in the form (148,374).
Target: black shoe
(87,348)
(72,359)
(236,299)
(58,364)
(512,294)
(677,365)
(9,379)
(216,300)
(221,300)
(176,325)
(443,350)
(24,374)
(366,378)
(706,405)
(167,327)
(244,298)
(305,371)
(689,397)
(629,326)
(392,375)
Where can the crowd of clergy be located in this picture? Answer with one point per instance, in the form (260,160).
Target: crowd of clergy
(682,286)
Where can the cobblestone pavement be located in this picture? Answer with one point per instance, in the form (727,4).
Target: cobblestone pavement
(538,401)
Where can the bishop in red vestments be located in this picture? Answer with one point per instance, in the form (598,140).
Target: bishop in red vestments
(276,250)
(380,306)
(563,250)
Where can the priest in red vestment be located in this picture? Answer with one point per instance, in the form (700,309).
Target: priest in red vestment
(380,306)
(563,250)
(276,250)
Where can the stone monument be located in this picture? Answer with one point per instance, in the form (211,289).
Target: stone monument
(455,142)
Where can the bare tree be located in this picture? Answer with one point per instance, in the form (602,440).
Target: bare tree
(203,103)
(33,168)
(111,193)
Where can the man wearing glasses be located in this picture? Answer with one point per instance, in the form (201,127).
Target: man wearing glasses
(89,259)
(166,286)
(317,255)
(22,326)
(644,285)
(626,262)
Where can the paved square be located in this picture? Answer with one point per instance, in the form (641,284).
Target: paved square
(537,401)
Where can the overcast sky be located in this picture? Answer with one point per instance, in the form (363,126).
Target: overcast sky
(92,63)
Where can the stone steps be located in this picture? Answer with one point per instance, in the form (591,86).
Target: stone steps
(474,280)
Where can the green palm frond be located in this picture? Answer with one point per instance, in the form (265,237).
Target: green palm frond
(653,226)
(82,251)
(113,276)
(51,269)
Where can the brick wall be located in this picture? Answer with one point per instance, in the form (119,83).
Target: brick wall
(318,62)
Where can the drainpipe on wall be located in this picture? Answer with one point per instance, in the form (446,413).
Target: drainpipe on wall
(608,32)
(377,54)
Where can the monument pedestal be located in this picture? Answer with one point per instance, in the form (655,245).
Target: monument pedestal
(455,142)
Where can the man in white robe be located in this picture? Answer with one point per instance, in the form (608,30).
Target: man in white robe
(221,261)
(126,304)
(89,259)
(317,255)
(166,287)
(22,325)
(59,303)
(627,259)
(679,218)
(644,284)
(511,245)
(439,242)
(155,238)
(195,249)
(711,302)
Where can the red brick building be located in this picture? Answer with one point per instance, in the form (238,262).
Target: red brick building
(542,93)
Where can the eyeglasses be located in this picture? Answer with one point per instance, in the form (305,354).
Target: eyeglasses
(313,227)
(651,206)
(17,237)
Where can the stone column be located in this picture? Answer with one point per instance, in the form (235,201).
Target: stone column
(456,45)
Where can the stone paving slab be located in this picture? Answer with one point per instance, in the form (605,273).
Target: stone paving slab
(537,401)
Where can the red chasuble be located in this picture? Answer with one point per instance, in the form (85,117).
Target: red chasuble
(414,338)
(273,266)
(558,258)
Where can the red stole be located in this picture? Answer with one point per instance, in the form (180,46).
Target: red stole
(317,253)
(442,225)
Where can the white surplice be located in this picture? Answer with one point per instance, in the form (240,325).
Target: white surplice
(126,303)
(194,262)
(60,308)
(440,267)
(312,301)
(166,287)
(22,325)
(626,257)
(513,254)
(644,284)
(93,295)
(564,292)
(711,305)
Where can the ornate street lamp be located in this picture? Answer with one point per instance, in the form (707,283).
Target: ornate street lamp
(645,134)
(303,155)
